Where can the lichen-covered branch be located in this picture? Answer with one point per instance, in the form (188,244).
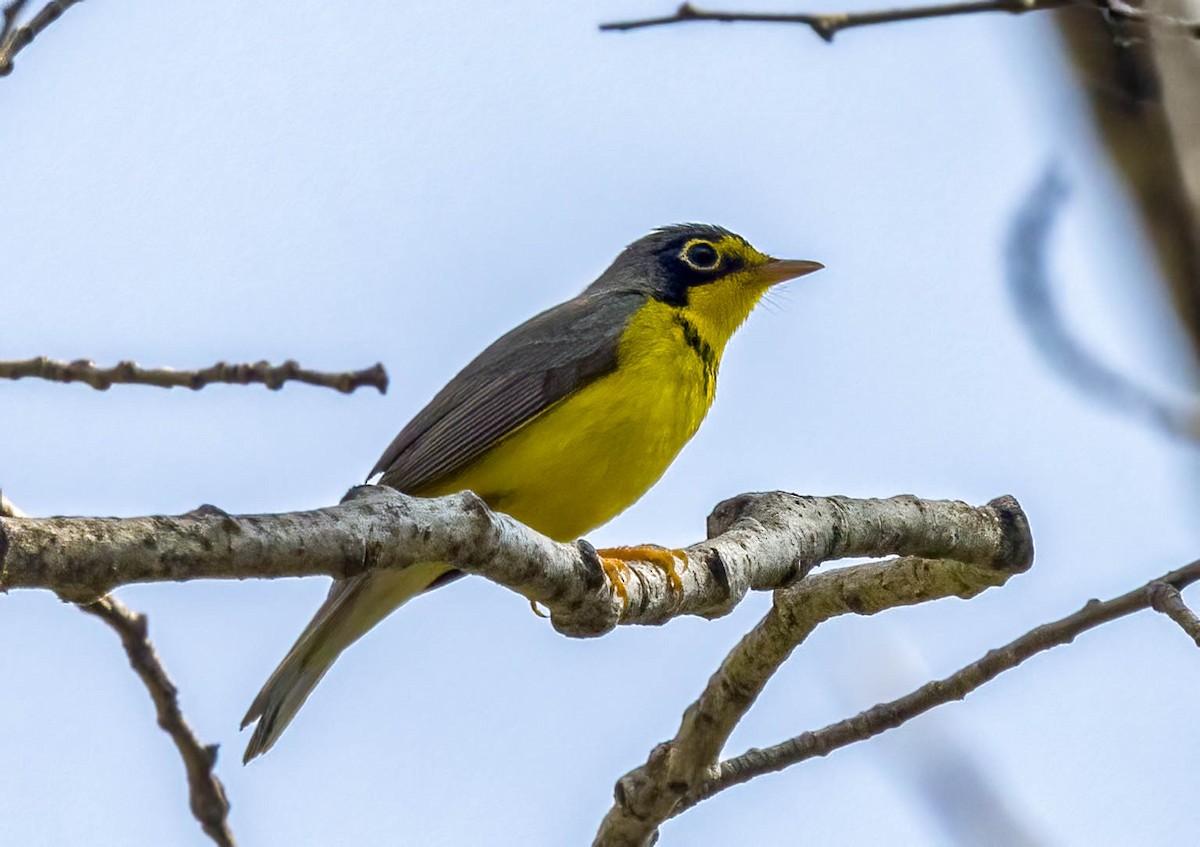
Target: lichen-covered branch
(130,373)
(14,38)
(205,792)
(958,685)
(756,541)
(828,25)
(675,770)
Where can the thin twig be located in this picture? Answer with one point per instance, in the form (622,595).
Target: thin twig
(1166,598)
(129,373)
(958,685)
(205,792)
(14,39)
(828,25)
(1032,294)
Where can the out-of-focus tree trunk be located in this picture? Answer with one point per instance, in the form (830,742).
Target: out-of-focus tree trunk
(1143,84)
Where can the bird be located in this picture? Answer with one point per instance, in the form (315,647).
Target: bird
(562,423)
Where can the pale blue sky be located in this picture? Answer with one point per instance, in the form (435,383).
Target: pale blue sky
(345,184)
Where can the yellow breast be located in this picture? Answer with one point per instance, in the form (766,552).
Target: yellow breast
(594,453)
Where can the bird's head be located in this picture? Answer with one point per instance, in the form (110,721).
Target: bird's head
(712,275)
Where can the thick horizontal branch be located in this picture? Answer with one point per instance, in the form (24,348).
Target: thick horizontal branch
(830,24)
(129,373)
(958,685)
(653,792)
(205,792)
(14,38)
(756,541)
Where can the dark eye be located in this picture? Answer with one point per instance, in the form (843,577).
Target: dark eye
(702,256)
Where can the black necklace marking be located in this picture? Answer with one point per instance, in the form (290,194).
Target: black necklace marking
(702,349)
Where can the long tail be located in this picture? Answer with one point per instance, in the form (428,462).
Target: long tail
(353,606)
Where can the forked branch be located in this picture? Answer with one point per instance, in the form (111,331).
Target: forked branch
(798,609)
(16,37)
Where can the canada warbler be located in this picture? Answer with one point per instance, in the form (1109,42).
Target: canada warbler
(562,423)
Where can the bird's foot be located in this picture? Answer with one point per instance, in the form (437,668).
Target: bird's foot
(617,559)
(616,570)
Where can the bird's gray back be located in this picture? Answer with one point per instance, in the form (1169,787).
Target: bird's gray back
(518,377)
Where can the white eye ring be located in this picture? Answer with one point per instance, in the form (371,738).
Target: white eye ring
(701,255)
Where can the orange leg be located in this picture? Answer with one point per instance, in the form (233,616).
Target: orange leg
(616,570)
(663,558)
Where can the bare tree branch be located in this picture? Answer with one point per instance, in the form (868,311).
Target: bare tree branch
(129,373)
(828,25)
(958,685)
(14,39)
(756,541)
(1029,284)
(1166,598)
(650,794)
(206,794)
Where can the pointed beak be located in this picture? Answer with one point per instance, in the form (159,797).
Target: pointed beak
(781,270)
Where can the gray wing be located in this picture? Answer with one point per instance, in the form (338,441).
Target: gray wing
(521,375)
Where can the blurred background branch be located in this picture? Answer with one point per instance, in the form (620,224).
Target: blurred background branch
(130,373)
(1029,284)
(1141,84)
